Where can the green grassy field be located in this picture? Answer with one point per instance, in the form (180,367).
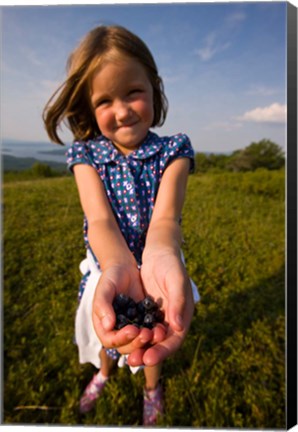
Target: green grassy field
(230,371)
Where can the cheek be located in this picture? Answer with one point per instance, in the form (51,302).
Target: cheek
(103,119)
(145,109)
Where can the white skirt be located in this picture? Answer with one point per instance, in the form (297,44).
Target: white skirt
(89,345)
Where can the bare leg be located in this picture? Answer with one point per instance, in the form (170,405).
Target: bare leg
(107,363)
(96,385)
(152,375)
(153,395)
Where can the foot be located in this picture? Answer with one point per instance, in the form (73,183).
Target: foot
(91,393)
(153,406)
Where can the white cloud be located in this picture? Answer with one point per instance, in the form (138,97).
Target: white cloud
(227,126)
(218,40)
(262,91)
(172,79)
(211,47)
(32,57)
(275,113)
(235,18)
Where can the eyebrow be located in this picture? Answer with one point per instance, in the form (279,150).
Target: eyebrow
(133,84)
(95,100)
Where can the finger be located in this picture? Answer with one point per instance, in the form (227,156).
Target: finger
(136,357)
(115,338)
(177,306)
(159,352)
(126,335)
(159,333)
(102,306)
(145,336)
(175,312)
(138,346)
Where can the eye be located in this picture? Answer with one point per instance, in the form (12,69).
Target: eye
(135,91)
(101,102)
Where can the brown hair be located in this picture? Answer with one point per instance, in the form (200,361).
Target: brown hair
(71,102)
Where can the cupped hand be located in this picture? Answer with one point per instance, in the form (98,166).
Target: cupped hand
(115,280)
(164,277)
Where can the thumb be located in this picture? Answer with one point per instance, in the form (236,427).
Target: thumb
(176,305)
(102,306)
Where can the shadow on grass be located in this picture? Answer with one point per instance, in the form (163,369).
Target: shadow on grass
(239,310)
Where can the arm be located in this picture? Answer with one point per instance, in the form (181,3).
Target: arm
(163,273)
(164,232)
(119,268)
(105,237)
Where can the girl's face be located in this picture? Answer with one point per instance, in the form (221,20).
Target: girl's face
(122,99)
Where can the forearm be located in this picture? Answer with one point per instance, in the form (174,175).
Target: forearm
(164,236)
(108,244)
(164,233)
(104,235)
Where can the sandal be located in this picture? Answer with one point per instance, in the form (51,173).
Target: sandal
(90,395)
(153,406)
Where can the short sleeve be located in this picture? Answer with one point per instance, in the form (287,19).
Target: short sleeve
(179,146)
(77,154)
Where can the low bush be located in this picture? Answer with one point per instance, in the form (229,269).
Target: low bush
(230,372)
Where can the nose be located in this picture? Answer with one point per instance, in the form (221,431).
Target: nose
(122,110)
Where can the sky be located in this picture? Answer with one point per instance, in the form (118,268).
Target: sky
(223,66)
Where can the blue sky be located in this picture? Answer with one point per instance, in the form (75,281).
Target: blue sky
(223,65)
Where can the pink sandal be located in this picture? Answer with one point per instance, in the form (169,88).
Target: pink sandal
(90,395)
(153,406)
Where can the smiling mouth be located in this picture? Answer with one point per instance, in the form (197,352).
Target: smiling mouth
(129,125)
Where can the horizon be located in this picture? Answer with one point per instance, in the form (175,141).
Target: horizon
(55,147)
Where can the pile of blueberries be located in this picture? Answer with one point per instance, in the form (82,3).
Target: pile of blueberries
(145,313)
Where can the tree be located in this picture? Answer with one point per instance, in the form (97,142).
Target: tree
(202,164)
(39,169)
(206,162)
(262,154)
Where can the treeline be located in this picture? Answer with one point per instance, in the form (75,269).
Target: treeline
(263,154)
(37,170)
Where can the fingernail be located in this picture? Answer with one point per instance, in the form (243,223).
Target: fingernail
(144,340)
(131,334)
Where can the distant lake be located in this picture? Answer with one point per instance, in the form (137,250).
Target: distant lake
(43,151)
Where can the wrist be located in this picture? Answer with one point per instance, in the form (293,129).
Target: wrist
(164,238)
(118,261)
(158,252)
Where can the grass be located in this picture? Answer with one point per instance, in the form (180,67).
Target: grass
(230,371)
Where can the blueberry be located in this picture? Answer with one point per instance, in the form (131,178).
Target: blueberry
(131,312)
(116,307)
(121,321)
(139,319)
(131,303)
(145,313)
(141,308)
(149,303)
(158,315)
(148,320)
(122,300)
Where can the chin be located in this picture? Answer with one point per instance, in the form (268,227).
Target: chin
(131,140)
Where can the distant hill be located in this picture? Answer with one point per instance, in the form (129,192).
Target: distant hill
(58,152)
(12,163)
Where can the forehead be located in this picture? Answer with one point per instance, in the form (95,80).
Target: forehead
(116,57)
(121,70)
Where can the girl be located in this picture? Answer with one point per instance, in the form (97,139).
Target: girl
(131,185)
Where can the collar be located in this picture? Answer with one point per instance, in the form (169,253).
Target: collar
(108,153)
